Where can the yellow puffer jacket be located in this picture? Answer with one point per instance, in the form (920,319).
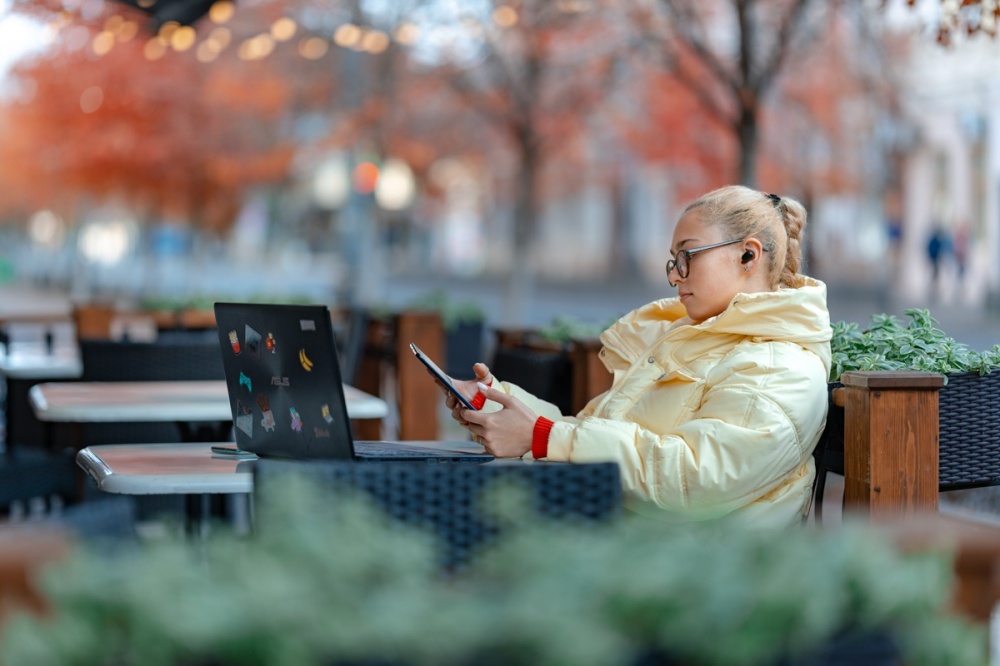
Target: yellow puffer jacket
(709,419)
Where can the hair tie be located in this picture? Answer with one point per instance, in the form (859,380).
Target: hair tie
(775,199)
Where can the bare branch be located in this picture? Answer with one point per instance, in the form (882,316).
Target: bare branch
(780,48)
(689,32)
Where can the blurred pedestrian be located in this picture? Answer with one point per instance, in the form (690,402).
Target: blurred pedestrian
(938,248)
(719,395)
(960,249)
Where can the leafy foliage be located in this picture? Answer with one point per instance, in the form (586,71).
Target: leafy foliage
(325,582)
(919,345)
(453,313)
(564,329)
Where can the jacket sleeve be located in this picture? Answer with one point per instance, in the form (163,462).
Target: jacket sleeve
(756,425)
(535,404)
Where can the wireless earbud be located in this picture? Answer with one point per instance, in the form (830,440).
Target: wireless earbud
(747,257)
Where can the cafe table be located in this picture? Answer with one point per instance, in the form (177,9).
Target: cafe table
(191,469)
(179,401)
(184,468)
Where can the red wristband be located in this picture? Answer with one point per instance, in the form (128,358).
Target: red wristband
(479,399)
(540,437)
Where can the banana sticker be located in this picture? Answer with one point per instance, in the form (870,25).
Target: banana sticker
(307,365)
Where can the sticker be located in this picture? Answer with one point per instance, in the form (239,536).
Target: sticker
(235,342)
(307,365)
(327,416)
(265,406)
(279,381)
(245,381)
(307,324)
(321,432)
(296,420)
(252,342)
(271,343)
(244,418)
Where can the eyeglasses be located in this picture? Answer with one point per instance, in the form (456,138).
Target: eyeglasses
(683,260)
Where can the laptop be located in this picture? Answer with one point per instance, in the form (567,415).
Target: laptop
(285,389)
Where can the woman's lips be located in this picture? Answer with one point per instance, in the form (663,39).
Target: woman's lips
(684,297)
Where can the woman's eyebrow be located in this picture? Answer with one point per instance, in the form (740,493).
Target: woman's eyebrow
(680,245)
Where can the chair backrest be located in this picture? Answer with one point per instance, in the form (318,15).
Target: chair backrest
(545,374)
(188,359)
(192,356)
(447,498)
(351,340)
(829,452)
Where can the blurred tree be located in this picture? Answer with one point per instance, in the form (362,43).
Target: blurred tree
(833,107)
(729,53)
(159,124)
(535,71)
(667,125)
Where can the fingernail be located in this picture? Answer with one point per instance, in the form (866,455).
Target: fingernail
(483,388)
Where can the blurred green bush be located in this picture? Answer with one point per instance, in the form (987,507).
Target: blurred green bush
(334,582)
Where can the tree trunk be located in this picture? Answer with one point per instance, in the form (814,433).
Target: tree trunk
(746,131)
(521,283)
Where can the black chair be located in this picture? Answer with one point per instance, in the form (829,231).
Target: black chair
(446,499)
(829,452)
(546,375)
(31,475)
(195,356)
(351,339)
(179,356)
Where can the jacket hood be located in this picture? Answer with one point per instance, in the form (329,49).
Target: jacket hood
(798,315)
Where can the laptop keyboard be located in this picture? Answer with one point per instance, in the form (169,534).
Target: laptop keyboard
(399,450)
(385,449)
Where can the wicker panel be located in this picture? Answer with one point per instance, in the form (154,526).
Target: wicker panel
(194,359)
(445,497)
(970,431)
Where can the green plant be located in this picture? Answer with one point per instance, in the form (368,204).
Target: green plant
(564,329)
(328,582)
(207,301)
(919,345)
(453,313)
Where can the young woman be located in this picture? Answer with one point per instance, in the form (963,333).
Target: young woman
(719,394)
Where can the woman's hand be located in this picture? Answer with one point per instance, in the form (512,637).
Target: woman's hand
(506,433)
(468,388)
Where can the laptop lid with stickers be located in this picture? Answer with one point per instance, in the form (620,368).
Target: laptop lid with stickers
(284,381)
(286,391)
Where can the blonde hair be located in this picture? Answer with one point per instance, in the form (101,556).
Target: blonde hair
(777,222)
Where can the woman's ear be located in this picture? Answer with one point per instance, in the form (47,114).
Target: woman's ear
(752,250)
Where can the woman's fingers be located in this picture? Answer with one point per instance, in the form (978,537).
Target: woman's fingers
(482,373)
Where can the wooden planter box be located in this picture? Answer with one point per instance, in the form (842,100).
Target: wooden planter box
(969,419)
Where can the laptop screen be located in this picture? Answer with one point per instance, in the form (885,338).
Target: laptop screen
(284,381)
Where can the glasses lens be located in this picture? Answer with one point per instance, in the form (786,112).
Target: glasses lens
(682,264)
